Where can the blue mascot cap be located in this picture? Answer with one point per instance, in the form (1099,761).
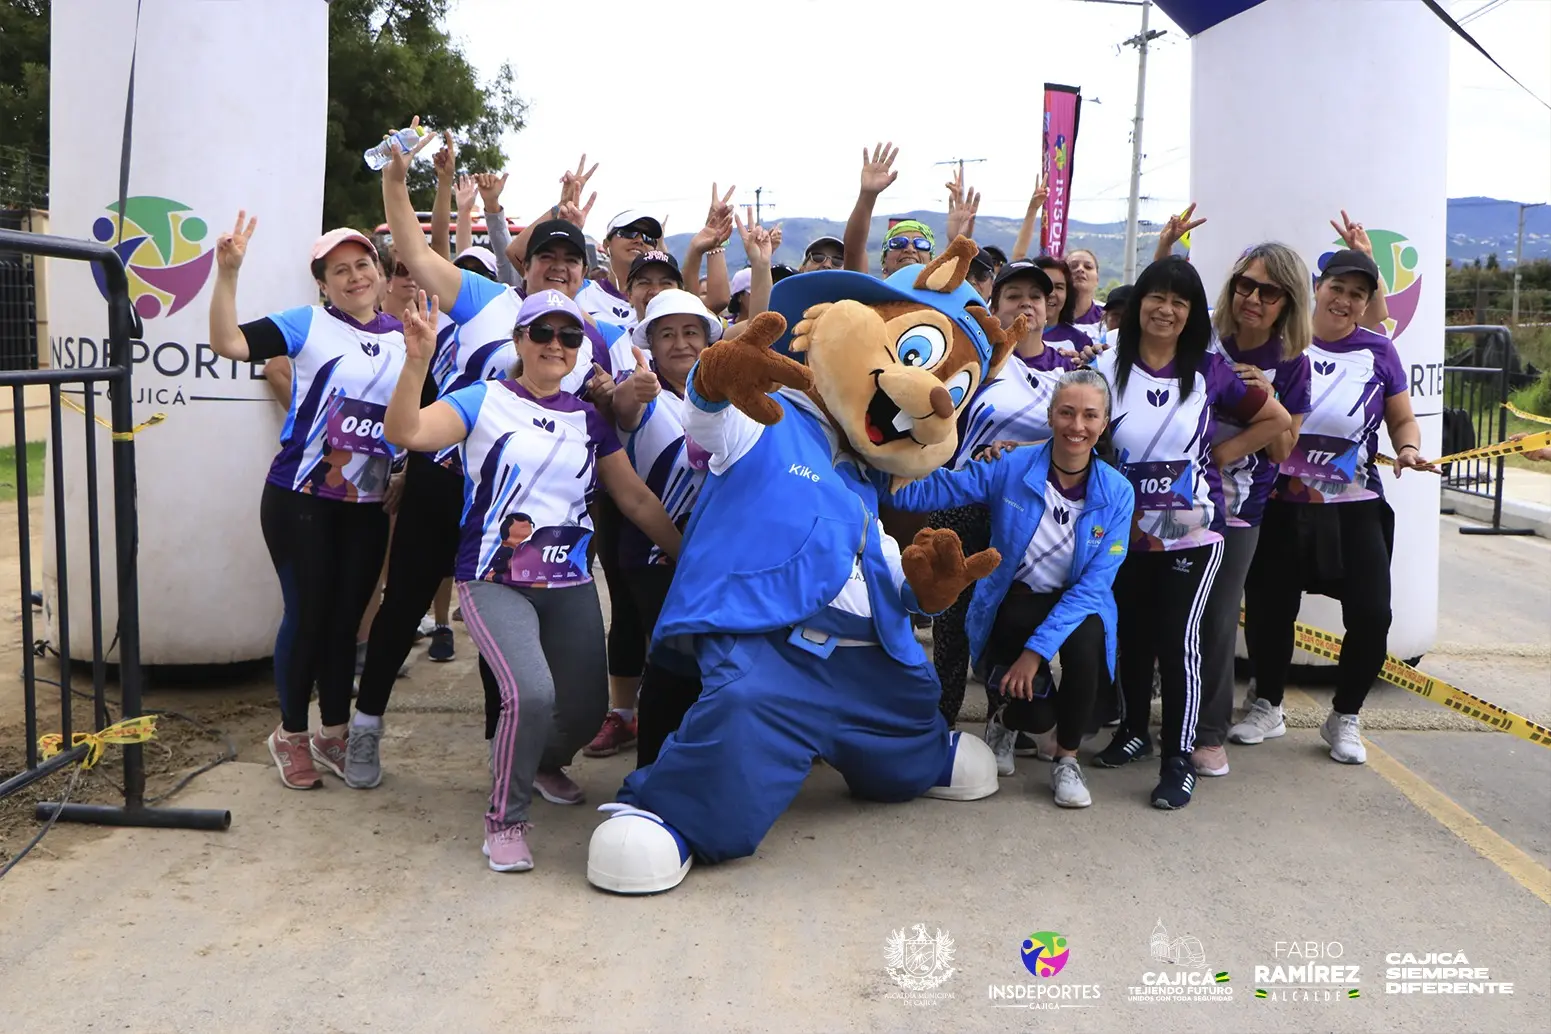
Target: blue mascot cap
(794,295)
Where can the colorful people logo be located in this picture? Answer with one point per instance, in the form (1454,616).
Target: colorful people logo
(1398,261)
(1045,954)
(160,249)
(1060,150)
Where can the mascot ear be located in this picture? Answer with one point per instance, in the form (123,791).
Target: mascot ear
(947,271)
(1002,341)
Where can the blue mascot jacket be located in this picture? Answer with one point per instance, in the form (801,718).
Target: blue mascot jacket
(774,538)
(1013,488)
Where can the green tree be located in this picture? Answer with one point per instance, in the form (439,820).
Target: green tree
(390,60)
(23,102)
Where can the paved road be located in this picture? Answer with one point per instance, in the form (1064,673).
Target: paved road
(346,911)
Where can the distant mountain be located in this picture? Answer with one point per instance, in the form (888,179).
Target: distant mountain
(1477,227)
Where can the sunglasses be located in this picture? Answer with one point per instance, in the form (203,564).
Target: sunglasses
(401,270)
(826,258)
(543,334)
(1270,294)
(901,243)
(630,233)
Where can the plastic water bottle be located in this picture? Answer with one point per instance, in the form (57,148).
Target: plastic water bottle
(407,138)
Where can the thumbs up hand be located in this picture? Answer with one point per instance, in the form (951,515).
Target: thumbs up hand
(600,387)
(643,382)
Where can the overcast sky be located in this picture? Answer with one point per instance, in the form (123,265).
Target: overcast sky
(669,97)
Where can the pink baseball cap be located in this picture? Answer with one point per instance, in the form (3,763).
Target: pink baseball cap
(334,238)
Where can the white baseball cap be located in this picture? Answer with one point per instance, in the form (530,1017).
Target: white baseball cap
(742,280)
(631,216)
(673,303)
(484,256)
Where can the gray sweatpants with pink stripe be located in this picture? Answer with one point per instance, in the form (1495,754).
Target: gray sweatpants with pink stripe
(546,648)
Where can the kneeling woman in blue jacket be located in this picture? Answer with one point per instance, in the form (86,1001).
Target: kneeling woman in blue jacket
(1061,519)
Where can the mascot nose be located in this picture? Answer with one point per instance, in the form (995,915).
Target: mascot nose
(942,402)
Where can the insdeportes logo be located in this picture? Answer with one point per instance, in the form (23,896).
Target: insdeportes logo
(160,246)
(1045,953)
(1398,261)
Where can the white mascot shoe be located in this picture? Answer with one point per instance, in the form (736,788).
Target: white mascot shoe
(974,771)
(636,852)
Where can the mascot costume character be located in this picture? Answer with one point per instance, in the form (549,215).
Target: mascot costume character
(788,596)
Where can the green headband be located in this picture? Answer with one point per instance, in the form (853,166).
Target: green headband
(909,228)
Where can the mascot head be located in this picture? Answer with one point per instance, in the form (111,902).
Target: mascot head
(895,361)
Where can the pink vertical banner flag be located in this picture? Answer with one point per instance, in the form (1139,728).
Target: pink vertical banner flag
(1062,104)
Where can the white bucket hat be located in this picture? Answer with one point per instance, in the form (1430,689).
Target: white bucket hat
(674,303)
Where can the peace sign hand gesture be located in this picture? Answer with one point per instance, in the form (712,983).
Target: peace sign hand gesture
(878,170)
(1174,230)
(420,321)
(1353,236)
(573,183)
(232,248)
(757,244)
(1041,193)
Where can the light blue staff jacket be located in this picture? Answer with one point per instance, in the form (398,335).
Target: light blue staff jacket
(1013,489)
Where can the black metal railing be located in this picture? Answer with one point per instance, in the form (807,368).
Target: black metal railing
(114,379)
(18,299)
(1476,383)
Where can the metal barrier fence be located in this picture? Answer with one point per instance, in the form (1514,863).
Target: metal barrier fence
(1473,416)
(114,380)
(18,300)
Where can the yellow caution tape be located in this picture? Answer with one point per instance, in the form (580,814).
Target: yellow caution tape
(1531,417)
(1540,440)
(130,730)
(117,436)
(1328,645)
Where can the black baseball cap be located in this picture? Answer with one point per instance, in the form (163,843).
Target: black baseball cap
(654,258)
(996,255)
(1024,268)
(1117,297)
(980,265)
(1348,261)
(780,271)
(551,231)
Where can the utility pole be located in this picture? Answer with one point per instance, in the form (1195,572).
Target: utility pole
(1518,261)
(1139,41)
(759,205)
(960,162)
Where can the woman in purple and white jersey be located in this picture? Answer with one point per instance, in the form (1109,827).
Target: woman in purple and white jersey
(1262,323)
(1012,406)
(649,414)
(322,509)
(1327,528)
(532,454)
(1059,329)
(1170,390)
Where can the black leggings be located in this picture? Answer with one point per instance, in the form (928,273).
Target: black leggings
(1161,597)
(1084,666)
(665,695)
(1273,593)
(950,643)
(327,555)
(424,546)
(627,630)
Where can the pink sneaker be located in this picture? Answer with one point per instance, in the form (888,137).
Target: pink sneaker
(1210,761)
(558,788)
(616,734)
(329,752)
(294,761)
(507,848)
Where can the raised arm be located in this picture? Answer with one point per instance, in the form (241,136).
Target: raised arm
(464,195)
(877,173)
(758,247)
(446,162)
(226,337)
(434,272)
(1025,240)
(1355,237)
(406,424)
(1173,231)
(490,187)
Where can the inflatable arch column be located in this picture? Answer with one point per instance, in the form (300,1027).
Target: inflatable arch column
(230,108)
(1302,108)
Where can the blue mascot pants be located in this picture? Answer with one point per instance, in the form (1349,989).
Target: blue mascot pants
(768,709)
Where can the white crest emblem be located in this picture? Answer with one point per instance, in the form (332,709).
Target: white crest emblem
(919,962)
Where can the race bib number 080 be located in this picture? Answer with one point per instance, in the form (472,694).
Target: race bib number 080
(356,426)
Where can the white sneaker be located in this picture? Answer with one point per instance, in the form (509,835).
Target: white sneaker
(1001,740)
(1263,722)
(1341,731)
(1071,790)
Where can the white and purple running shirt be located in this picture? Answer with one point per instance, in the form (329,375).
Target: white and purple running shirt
(529,471)
(1046,566)
(1334,459)
(1012,406)
(342,376)
(672,466)
(1247,483)
(1165,447)
(486,315)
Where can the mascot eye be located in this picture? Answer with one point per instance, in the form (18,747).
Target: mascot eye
(922,346)
(958,386)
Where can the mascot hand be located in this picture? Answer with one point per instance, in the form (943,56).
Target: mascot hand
(744,371)
(938,571)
